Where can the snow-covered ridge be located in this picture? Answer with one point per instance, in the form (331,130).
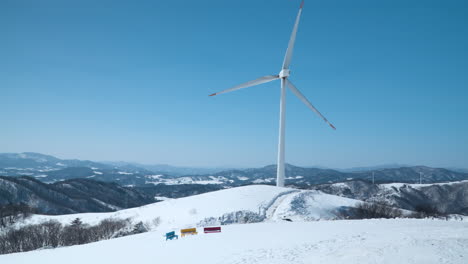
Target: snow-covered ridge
(417,185)
(445,198)
(267,202)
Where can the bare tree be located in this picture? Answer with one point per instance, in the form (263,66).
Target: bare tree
(11,213)
(376,210)
(53,234)
(428,210)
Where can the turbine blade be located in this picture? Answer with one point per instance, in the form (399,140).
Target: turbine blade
(306,102)
(258,81)
(289,51)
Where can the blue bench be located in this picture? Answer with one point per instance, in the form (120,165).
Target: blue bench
(171,235)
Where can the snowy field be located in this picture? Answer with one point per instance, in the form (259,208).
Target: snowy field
(312,237)
(341,241)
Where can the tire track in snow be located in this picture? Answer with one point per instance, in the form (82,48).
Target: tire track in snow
(270,209)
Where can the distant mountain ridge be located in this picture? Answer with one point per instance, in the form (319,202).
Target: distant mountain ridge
(36,160)
(71,196)
(168,169)
(373,168)
(448,198)
(49,169)
(298,176)
(87,195)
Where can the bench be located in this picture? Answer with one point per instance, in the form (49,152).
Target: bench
(188,231)
(212,229)
(171,235)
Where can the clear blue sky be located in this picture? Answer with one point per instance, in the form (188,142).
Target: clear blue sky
(129,80)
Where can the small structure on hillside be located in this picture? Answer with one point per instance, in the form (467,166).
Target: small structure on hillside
(171,235)
(216,229)
(188,231)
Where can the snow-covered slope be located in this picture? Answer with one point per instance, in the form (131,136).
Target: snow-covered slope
(311,205)
(262,202)
(350,242)
(419,186)
(272,241)
(448,198)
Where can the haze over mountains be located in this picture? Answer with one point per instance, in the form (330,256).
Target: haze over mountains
(50,169)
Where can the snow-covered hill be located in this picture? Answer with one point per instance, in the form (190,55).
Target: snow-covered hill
(449,198)
(344,241)
(272,240)
(253,203)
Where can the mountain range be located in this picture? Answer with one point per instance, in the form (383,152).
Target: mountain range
(71,196)
(50,169)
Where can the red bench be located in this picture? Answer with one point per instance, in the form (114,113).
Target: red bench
(212,229)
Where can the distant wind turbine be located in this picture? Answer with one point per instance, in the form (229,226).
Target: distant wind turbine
(283,75)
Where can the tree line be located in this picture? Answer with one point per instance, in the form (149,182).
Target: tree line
(52,234)
(383,209)
(11,213)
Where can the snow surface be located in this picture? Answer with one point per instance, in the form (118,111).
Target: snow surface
(185,212)
(311,205)
(343,241)
(263,180)
(417,185)
(157,179)
(272,203)
(162,198)
(273,241)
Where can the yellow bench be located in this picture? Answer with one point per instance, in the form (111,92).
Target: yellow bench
(188,231)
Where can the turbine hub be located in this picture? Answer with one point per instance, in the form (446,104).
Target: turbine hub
(284,73)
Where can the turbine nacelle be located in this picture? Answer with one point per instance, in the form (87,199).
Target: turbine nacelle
(284,73)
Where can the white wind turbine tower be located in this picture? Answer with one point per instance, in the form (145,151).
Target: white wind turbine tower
(283,75)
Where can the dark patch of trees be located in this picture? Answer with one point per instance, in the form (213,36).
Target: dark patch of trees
(375,210)
(71,196)
(385,210)
(139,228)
(428,210)
(52,234)
(12,213)
(237,217)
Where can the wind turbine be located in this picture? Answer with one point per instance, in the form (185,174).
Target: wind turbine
(283,76)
